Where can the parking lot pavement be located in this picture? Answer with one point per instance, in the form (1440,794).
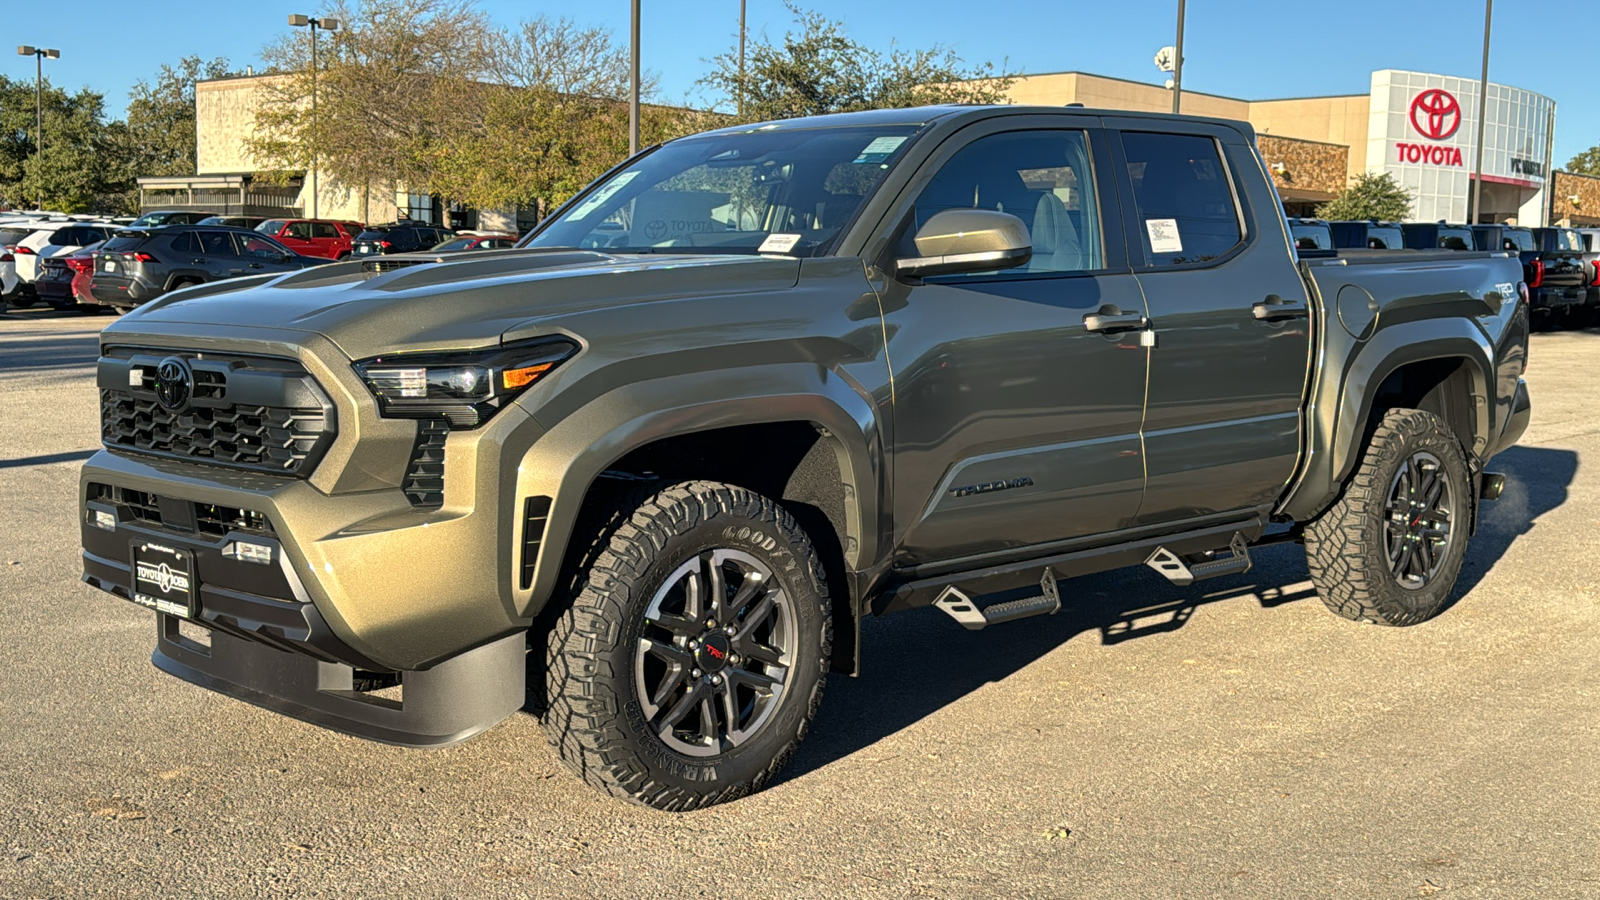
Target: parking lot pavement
(1228,739)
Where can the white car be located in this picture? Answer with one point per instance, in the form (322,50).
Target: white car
(12,233)
(63,239)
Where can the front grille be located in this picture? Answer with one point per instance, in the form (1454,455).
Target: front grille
(252,413)
(424,484)
(219,520)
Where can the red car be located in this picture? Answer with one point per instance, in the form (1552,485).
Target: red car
(327,238)
(464,241)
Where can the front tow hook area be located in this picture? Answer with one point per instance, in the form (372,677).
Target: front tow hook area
(1490,486)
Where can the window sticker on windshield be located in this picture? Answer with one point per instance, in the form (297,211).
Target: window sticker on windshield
(1164,235)
(600,196)
(778,243)
(879,150)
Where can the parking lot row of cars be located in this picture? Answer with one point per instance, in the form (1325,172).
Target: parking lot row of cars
(86,262)
(1560,265)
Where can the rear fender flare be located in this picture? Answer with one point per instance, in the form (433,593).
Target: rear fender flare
(1342,403)
(565,461)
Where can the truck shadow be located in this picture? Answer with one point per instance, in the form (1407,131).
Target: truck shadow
(916,663)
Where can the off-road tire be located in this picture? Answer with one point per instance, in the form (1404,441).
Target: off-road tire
(1346,548)
(595,718)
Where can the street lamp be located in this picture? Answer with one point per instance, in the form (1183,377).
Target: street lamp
(39,54)
(325,24)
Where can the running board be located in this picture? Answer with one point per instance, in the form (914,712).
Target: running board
(1181,573)
(972,617)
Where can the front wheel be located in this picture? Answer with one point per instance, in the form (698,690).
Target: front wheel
(692,660)
(1389,551)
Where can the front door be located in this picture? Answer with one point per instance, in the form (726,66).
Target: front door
(1227,380)
(1015,425)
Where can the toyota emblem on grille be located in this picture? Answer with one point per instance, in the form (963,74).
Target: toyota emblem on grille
(174,383)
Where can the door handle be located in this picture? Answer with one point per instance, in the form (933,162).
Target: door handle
(200,262)
(1110,320)
(1275,308)
(255,265)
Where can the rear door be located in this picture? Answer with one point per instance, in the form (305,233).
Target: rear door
(1015,425)
(324,240)
(1229,312)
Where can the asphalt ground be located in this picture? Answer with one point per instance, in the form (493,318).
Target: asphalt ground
(1229,739)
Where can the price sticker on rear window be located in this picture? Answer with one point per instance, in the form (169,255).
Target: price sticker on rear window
(1164,236)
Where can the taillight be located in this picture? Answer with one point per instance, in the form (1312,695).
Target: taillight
(1595,279)
(385,244)
(79,265)
(140,256)
(1538,274)
(7,257)
(25,251)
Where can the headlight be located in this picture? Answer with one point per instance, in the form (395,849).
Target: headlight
(465,388)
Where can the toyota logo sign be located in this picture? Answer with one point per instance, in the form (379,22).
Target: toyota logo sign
(174,383)
(1435,114)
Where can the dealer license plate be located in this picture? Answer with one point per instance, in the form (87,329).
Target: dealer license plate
(110,266)
(163,579)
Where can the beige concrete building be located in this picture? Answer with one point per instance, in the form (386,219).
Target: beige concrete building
(1418,127)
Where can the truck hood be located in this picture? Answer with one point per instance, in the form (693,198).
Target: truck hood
(469,301)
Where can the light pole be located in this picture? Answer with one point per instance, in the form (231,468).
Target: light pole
(39,55)
(326,25)
(1177,64)
(633,89)
(1476,210)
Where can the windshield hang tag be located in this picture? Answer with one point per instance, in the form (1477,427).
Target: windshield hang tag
(778,243)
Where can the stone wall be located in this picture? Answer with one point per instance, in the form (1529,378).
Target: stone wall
(1586,188)
(1310,169)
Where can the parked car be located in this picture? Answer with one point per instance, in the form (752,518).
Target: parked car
(1369,235)
(400,237)
(66,239)
(1591,255)
(233,221)
(1311,234)
(327,238)
(63,280)
(138,265)
(656,488)
(463,242)
(168,217)
(1438,236)
(12,288)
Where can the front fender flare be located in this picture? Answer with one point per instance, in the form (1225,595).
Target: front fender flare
(564,462)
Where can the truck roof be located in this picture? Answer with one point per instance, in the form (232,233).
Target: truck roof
(959,113)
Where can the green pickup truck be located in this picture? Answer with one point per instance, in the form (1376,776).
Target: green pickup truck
(647,473)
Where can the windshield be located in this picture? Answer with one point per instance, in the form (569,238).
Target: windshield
(1312,237)
(781,191)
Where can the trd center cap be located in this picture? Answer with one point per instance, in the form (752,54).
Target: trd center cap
(712,654)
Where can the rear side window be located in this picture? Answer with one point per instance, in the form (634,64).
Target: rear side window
(12,235)
(1185,207)
(186,243)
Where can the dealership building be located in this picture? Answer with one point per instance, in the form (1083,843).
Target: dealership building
(1417,127)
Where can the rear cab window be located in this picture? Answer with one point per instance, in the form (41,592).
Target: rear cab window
(1185,208)
(1520,239)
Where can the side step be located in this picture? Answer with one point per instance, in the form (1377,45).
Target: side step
(961,607)
(1175,570)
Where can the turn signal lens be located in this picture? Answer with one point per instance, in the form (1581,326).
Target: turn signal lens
(519,378)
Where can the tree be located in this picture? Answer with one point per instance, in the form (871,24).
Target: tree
(393,82)
(1370,196)
(1585,163)
(161,117)
(819,69)
(553,118)
(81,164)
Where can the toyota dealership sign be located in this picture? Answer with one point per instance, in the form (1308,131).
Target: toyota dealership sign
(1422,130)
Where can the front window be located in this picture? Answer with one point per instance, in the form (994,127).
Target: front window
(767,191)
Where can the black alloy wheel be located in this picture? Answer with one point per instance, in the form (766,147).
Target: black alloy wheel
(714,660)
(1421,509)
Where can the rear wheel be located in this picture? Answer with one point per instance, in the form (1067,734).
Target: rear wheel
(1389,551)
(692,661)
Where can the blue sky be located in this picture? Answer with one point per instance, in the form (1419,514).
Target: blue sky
(1251,50)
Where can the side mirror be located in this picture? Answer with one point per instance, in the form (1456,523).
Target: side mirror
(968,240)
